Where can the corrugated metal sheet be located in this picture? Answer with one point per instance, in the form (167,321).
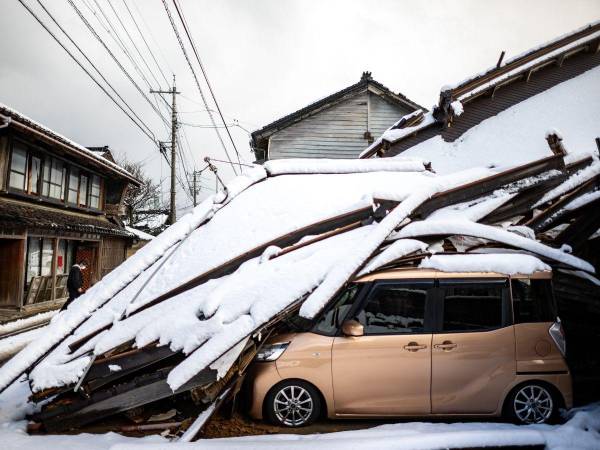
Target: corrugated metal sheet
(338,131)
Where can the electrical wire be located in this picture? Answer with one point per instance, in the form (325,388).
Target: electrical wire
(125,72)
(146,42)
(187,32)
(148,133)
(181,45)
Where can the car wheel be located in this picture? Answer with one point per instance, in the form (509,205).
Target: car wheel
(532,403)
(293,403)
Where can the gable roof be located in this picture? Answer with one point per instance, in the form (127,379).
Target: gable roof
(526,75)
(366,83)
(13,118)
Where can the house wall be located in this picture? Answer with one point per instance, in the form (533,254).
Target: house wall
(338,131)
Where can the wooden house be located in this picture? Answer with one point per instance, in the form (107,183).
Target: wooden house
(59,202)
(337,126)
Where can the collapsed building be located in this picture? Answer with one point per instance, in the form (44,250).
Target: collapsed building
(179,323)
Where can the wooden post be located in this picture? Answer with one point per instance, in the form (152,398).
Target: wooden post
(54,259)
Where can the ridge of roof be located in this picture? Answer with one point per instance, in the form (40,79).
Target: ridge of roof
(363,83)
(84,151)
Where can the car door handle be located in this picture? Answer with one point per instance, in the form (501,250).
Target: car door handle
(446,345)
(414,346)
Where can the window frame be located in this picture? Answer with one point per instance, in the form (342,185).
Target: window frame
(46,158)
(507,313)
(429,303)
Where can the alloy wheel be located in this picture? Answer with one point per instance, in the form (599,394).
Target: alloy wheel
(293,405)
(533,404)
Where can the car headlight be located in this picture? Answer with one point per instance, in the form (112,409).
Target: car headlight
(271,352)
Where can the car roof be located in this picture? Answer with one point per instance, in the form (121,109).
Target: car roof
(402,273)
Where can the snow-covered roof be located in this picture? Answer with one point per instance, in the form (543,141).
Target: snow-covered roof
(72,146)
(278,235)
(139,234)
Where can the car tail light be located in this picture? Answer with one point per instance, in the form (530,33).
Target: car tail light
(558,336)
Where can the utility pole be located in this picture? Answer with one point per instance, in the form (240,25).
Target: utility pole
(173,91)
(195,188)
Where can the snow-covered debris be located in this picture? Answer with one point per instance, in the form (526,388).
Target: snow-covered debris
(395,134)
(14,325)
(457,107)
(583,200)
(397,249)
(508,264)
(339,166)
(574,181)
(464,227)
(516,135)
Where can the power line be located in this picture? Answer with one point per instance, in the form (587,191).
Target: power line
(133,43)
(95,34)
(187,32)
(145,42)
(147,133)
(175,30)
(93,65)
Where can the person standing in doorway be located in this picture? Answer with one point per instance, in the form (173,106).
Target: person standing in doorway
(75,282)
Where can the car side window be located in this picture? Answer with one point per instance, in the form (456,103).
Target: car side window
(532,301)
(394,309)
(332,319)
(472,307)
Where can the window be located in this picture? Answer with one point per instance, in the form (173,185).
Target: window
(54,179)
(73,186)
(33,257)
(95,192)
(393,309)
(532,301)
(472,307)
(18,168)
(83,190)
(332,319)
(35,175)
(65,256)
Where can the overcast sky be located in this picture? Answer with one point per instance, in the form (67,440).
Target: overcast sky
(264,58)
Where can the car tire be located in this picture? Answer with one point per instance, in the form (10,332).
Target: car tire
(531,403)
(292,404)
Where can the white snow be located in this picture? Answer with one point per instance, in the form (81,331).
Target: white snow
(508,264)
(14,325)
(114,367)
(397,249)
(464,227)
(516,135)
(395,134)
(582,200)
(333,166)
(575,180)
(457,107)
(12,344)
(139,234)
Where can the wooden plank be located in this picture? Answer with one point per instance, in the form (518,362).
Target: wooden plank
(476,189)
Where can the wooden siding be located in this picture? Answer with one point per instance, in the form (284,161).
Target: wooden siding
(336,132)
(113,254)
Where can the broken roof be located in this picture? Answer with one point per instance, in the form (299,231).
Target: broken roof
(366,83)
(497,94)
(16,119)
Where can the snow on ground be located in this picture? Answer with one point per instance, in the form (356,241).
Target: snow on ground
(581,431)
(516,135)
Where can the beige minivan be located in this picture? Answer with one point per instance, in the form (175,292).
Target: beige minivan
(415,343)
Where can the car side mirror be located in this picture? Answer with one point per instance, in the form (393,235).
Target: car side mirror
(353,328)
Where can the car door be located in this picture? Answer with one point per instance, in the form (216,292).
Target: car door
(387,371)
(473,354)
